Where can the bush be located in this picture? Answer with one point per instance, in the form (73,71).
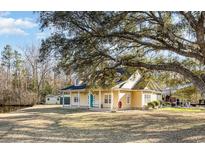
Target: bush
(151,105)
(157,103)
(162,103)
(168,103)
(165,103)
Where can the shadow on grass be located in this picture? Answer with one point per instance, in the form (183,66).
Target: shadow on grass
(58,110)
(100,127)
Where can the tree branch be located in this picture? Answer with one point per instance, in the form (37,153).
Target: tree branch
(173,67)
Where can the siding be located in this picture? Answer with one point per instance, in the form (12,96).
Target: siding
(121,96)
(105,105)
(153,96)
(123,99)
(136,99)
(115,99)
(83,99)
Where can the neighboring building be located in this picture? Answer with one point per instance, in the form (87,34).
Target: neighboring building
(185,92)
(50,99)
(171,90)
(133,93)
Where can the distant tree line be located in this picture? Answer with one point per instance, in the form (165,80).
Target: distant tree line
(24,80)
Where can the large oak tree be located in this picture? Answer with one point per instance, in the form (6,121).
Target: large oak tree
(97,45)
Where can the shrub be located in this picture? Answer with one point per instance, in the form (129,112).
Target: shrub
(151,105)
(168,103)
(157,103)
(162,103)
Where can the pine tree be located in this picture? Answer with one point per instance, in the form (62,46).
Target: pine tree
(6,61)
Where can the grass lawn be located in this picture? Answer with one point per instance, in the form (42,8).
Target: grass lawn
(183,109)
(54,124)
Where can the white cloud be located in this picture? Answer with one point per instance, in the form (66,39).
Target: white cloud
(11,26)
(11,22)
(12,31)
(25,23)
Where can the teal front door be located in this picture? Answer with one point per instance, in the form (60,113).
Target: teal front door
(91,100)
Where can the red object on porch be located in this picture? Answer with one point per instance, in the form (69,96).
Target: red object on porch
(119,104)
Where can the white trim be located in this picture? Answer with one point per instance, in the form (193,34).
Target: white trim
(89,98)
(70,99)
(143,90)
(118,96)
(78,99)
(112,100)
(100,99)
(67,95)
(109,94)
(63,99)
(150,96)
(142,99)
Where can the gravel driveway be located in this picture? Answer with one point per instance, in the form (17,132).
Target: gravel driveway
(53,124)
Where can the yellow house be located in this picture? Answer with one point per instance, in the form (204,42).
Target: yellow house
(133,93)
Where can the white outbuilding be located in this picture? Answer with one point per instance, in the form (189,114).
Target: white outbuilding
(51,99)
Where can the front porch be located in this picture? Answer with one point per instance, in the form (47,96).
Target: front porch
(85,98)
(98,99)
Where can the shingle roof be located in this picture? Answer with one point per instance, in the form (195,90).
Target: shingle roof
(141,84)
(134,82)
(149,84)
(73,87)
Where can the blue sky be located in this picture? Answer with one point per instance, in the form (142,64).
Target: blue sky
(19,29)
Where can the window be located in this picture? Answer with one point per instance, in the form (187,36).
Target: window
(147,98)
(159,97)
(107,99)
(75,99)
(93,99)
(128,98)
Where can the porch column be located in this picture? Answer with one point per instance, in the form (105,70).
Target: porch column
(70,99)
(89,98)
(112,100)
(118,95)
(100,98)
(63,99)
(78,99)
(142,101)
(118,99)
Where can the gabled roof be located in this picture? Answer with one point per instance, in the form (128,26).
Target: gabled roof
(138,83)
(144,84)
(141,84)
(130,83)
(135,82)
(119,85)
